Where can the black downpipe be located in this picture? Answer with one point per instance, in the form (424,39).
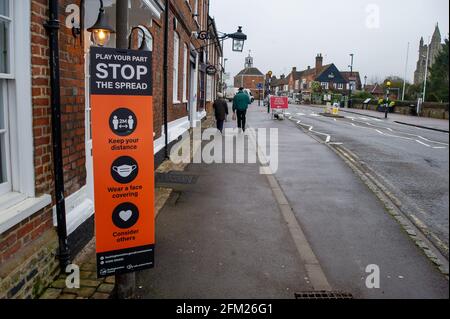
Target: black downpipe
(166,80)
(52,27)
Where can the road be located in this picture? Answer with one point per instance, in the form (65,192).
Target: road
(346,223)
(238,234)
(413,163)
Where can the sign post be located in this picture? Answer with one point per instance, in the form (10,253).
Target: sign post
(259,87)
(122,131)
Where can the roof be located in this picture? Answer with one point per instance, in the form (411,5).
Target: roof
(322,70)
(351,76)
(374,89)
(250,71)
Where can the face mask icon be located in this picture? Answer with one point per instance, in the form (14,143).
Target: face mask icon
(124,170)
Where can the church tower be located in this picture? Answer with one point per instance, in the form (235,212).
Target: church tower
(435,45)
(249,61)
(432,50)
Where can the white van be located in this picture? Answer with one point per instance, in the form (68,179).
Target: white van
(230,93)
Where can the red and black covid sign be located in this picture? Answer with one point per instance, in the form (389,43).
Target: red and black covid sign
(122,134)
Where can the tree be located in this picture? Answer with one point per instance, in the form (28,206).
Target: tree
(437,90)
(316,87)
(397,86)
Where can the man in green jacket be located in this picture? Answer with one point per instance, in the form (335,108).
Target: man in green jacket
(240,106)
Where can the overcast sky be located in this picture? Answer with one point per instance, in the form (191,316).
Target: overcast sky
(286,33)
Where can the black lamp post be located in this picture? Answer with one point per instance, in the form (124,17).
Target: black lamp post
(143,46)
(101,30)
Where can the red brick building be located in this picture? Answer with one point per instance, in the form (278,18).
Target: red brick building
(249,78)
(29,242)
(329,77)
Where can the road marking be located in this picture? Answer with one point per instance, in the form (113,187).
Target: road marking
(401,137)
(423,143)
(311,129)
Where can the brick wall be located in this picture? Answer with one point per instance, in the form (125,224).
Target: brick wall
(28,250)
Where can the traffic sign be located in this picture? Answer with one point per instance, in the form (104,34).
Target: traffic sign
(259,86)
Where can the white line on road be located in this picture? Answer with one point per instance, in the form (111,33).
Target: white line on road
(423,143)
(311,129)
(401,137)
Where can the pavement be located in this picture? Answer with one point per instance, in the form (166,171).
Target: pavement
(238,234)
(424,122)
(91,287)
(224,238)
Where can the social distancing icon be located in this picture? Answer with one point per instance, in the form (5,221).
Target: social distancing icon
(123,122)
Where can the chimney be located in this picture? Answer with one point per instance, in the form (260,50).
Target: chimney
(294,69)
(319,62)
(309,67)
(282,76)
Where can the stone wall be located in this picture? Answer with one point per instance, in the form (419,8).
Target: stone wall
(430,109)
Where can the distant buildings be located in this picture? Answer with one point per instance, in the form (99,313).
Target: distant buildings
(435,48)
(250,77)
(328,76)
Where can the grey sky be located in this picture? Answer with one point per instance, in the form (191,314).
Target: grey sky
(287,33)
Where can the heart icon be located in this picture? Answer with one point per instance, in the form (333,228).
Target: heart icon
(125,215)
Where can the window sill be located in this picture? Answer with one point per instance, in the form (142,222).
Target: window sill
(21,209)
(176,102)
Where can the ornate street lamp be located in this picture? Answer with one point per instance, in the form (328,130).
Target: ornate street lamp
(101,30)
(239,39)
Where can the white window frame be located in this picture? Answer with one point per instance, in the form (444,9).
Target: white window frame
(324,85)
(176,61)
(185,72)
(7,86)
(20,202)
(6,186)
(209,87)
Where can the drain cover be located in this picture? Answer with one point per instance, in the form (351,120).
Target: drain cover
(323,295)
(175,178)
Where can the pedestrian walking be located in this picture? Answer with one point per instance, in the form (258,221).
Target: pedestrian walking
(240,107)
(221,111)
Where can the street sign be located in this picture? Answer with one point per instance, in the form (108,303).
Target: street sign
(211,70)
(279,102)
(122,133)
(259,86)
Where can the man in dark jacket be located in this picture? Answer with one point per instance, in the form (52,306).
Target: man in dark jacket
(221,111)
(240,106)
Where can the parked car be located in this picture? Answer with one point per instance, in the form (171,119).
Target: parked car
(250,94)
